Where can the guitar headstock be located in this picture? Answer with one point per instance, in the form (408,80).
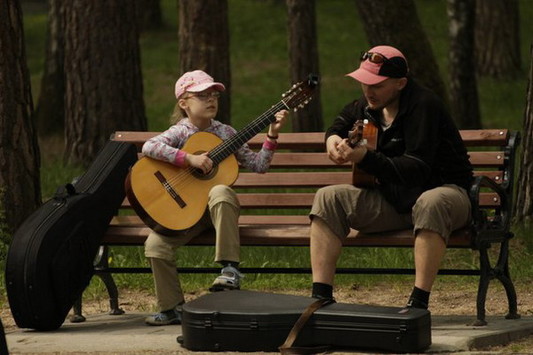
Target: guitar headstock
(301,93)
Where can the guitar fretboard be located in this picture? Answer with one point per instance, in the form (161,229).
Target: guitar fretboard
(232,144)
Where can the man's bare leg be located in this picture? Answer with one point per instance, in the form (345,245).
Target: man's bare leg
(325,251)
(429,251)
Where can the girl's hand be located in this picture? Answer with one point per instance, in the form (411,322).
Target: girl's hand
(201,161)
(281,117)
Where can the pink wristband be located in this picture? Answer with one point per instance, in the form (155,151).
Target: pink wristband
(270,145)
(179,160)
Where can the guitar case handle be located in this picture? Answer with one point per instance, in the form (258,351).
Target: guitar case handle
(65,191)
(287,348)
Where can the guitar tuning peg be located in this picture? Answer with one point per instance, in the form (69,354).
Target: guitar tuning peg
(284,94)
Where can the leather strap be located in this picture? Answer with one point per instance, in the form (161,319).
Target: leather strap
(287,348)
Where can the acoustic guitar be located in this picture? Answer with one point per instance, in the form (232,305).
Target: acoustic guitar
(169,199)
(364,133)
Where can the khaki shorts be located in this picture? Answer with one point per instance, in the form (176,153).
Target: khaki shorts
(442,210)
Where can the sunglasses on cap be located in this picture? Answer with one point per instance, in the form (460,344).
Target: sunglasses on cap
(389,67)
(373,57)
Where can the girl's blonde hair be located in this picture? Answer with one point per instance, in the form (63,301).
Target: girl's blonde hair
(177,114)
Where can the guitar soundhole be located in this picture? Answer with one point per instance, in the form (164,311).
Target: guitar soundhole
(199,174)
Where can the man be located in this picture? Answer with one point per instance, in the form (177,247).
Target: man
(421,170)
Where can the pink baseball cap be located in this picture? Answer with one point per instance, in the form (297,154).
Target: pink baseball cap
(196,81)
(379,64)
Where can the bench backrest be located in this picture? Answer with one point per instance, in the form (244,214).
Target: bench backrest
(285,193)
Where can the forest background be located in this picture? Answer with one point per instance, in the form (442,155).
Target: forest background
(260,72)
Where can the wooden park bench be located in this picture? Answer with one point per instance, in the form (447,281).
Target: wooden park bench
(286,192)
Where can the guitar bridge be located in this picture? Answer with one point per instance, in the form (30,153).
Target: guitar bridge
(168,188)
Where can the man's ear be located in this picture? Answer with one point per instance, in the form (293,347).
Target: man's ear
(401,83)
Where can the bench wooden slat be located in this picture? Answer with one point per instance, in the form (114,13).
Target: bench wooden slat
(314,140)
(313,179)
(277,200)
(487,159)
(321,160)
(305,200)
(135,221)
(294,179)
(297,235)
(286,160)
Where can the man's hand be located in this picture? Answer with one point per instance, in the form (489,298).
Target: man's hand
(332,149)
(347,153)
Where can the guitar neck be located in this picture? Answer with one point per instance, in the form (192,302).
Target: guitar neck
(232,144)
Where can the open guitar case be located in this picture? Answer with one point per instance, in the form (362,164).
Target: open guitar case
(50,259)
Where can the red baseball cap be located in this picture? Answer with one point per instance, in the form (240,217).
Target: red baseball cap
(379,64)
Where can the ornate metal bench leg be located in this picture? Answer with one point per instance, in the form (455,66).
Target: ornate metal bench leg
(101,265)
(504,276)
(77,317)
(483,287)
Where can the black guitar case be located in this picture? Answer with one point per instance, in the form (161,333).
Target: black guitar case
(258,321)
(50,259)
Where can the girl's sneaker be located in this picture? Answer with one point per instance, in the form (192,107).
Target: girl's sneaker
(172,316)
(229,279)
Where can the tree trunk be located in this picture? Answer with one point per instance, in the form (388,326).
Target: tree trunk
(463,83)
(303,53)
(523,206)
(497,38)
(149,16)
(50,111)
(204,44)
(396,23)
(104,89)
(20,189)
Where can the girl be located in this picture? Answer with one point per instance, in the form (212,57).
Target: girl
(197,102)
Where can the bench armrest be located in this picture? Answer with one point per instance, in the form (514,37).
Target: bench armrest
(488,229)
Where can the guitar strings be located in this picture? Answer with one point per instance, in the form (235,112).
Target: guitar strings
(244,135)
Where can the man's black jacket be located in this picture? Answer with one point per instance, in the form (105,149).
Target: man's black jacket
(422,149)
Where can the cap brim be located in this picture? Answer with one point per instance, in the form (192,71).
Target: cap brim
(205,86)
(365,77)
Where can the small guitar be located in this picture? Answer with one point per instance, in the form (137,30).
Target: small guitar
(169,199)
(364,133)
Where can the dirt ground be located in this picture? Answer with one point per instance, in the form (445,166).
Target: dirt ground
(446,299)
